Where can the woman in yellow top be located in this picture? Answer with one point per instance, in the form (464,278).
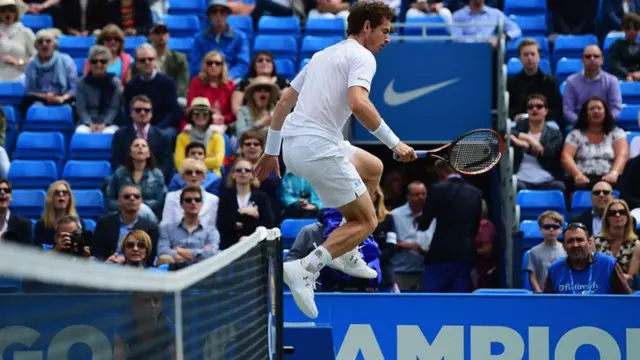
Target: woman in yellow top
(200,129)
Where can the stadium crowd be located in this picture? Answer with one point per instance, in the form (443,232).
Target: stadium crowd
(187,127)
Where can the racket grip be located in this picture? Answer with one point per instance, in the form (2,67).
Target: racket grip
(420,153)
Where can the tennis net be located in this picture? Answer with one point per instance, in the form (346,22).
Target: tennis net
(226,307)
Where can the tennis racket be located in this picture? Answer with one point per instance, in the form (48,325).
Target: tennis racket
(475,152)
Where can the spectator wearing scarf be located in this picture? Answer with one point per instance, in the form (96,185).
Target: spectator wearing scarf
(313,235)
(98,95)
(51,77)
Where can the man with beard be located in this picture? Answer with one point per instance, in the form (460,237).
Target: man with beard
(583,271)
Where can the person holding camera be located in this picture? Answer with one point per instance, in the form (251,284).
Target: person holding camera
(70,239)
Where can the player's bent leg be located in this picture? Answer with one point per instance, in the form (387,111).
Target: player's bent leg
(368,166)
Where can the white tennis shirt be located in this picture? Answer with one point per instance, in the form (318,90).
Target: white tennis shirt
(323,102)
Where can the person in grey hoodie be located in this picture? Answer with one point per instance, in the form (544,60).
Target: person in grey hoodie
(98,95)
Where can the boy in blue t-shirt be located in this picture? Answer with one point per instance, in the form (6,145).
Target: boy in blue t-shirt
(583,271)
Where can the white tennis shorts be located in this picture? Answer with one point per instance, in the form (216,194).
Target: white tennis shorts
(326,165)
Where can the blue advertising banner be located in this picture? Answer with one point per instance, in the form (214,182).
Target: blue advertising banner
(432,92)
(478,327)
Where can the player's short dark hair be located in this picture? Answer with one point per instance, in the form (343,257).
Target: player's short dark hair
(367,10)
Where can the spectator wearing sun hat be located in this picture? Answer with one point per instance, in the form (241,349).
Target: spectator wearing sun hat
(200,129)
(261,96)
(17,45)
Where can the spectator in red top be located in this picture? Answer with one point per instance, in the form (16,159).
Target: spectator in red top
(485,263)
(214,84)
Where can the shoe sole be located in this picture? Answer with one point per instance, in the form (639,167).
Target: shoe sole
(337,265)
(297,298)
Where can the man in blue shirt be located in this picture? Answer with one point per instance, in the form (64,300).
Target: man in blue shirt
(219,36)
(583,271)
(479,13)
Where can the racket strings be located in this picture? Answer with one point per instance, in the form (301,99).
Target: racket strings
(476,152)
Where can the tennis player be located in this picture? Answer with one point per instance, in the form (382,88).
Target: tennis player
(334,85)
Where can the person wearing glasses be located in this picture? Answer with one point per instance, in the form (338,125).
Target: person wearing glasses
(98,95)
(193,173)
(537,148)
(547,252)
(59,203)
(601,196)
(112,37)
(624,54)
(51,77)
(211,182)
(159,87)
(135,247)
(141,111)
(591,81)
(111,229)
(188,240)
(245,206)
(13,227)
(582,271)
(618,238)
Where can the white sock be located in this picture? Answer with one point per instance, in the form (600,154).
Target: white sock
(316,260)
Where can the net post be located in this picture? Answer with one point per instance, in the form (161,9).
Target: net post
(279,300)
(177,303)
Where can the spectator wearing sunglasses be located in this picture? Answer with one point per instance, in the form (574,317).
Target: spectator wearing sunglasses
(13,227)
(98,95)
(618,238)
(111,229)
(112,37)
(261,96)
(547,252)
(246,207)
(59,203)
(135,248)
(537,148)
(624,53)
(211,182)
(193,174)
(188,240)
(584,272)
(601,196)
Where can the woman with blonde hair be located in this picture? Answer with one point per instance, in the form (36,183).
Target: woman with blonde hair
(135,248)
(112,37)
(386,238)
(58,204)
(261,96)
(214,84)
(617,238)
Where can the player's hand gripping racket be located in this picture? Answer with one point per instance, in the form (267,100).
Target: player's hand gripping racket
(473,153)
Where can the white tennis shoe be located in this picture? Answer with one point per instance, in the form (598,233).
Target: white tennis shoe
(302,284)
(352,264)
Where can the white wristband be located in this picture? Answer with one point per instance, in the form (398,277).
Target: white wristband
(386,135)
(274,140)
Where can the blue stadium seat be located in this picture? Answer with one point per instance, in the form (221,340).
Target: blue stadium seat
(290,229)
(182,45)
(47,247)
(76,46)
(49,118)
(12,128)
(132,42)
(325,27)
(611,38)
(525,7)
(89,203)
(303,63)
(535,202)
(566,67)
(562,86)
(37,22)
(33,226)
(89,224)
(83,174)
(9,113)
(281,46)
(32,174)
(630,92)
(187,7)
(312,44)
(79,65)
(416,25)
(531,234)
(8,286)
(90,147)
(531,25)
(11,92)
(526,283)
(182,25)
(28,203)
(543,42)
(285,68)
(243,23)
(572,46)
(629,117)
(514,66)
(41,146)
(279,25)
